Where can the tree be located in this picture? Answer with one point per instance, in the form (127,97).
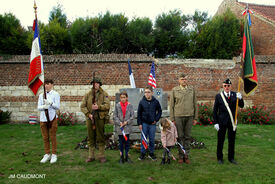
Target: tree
(219,38)
(169,33)
(57,14)
(113,29)
(140,38)
(54,38)
(12,36)
(85,36)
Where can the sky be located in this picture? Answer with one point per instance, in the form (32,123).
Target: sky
(23,9)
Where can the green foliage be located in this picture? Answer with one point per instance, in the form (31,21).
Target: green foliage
(173,34)
(12,36)
(219,38)
(139,35)
(205,114)
(66,118)
(4,116)
(55,39)
(168,33)
(113,29)
(85,36)
(255,115)
(57,14)
(22,149)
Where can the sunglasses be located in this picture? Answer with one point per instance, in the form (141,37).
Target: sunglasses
(226,85)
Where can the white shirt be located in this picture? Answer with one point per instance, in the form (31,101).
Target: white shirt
(54,96)
(226,94)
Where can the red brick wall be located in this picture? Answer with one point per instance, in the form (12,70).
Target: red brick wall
(206,80)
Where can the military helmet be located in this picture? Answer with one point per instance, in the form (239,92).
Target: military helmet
(97,80)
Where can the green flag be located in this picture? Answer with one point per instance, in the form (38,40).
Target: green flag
(249,67)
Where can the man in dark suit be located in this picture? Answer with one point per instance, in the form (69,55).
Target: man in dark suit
(223,119)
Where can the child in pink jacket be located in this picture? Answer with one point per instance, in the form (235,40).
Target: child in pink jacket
(169,137)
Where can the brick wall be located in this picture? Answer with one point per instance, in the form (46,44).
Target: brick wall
(72,79)
(262,29)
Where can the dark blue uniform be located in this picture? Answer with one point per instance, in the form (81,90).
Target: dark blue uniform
(222,117)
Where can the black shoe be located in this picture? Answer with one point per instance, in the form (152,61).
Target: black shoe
(142,156)
(121,161)
(168,161)
(152,156)
(220,162)
(233,161)
(128,160)
(162,161)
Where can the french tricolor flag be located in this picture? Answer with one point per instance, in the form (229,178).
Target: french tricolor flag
(181,147)
(144,140)
(36,73)
(131,76)
(123,133)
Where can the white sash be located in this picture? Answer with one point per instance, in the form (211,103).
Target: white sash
(229,111)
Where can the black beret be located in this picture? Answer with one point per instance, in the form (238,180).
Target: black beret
(227,81)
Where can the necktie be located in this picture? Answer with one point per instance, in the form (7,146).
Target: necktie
(228,96)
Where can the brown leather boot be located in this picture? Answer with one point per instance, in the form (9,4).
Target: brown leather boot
(186,160)
(101,156)
(90,160)
(180,161)
(102,160)
(91,156)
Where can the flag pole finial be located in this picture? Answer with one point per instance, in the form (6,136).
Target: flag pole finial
(35,9)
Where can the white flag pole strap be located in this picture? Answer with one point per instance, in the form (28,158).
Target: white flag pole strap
(229,111)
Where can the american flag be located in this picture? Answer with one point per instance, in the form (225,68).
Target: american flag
(36,73)
(152,76)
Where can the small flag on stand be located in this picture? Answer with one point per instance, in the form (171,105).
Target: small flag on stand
(131,76)
(152,77)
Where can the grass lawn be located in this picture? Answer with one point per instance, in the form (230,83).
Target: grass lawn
(21,149)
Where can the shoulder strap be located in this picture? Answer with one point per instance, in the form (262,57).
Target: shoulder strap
(229,111)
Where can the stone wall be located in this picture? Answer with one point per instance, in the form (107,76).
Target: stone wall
(72,79)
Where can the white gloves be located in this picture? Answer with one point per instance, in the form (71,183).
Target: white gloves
(45,106)
(239,96)
(217,127)
(48,101)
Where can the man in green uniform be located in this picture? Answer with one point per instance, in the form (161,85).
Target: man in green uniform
(96,114)
(183,112)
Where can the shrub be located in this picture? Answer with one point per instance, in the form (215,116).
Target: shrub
(5,116)
(66,118)
(255,115)
(205,114)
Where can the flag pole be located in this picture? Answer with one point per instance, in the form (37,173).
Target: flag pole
(45,96)
(239,83)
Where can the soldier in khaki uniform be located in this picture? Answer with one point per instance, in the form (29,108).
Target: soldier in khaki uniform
(99,112)
(183,112)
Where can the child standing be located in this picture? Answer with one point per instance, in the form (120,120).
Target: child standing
(169,137)
(123,120)
(149,113)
